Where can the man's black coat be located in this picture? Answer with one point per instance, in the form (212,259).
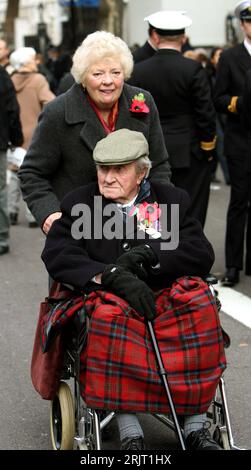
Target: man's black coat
(75,262)
(10,126)
(182,94)
(230,81)
(144,52)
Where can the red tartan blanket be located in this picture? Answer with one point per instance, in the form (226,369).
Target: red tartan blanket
(118,366)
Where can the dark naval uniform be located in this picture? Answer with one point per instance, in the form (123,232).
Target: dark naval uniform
(181,92)
(144,52)
(228,99)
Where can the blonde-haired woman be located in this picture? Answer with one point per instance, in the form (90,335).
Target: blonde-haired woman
(60,156)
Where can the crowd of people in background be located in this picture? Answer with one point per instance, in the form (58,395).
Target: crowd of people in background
(203,129)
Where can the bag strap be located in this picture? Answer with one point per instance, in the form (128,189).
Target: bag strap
(59,292)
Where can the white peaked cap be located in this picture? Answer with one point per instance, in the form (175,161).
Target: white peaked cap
(243,10)
(169,20)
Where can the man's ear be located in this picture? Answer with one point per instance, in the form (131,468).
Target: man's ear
(155,38)
(142,175)
(183,39)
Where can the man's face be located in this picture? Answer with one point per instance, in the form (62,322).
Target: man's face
(4,52)
(246,27)
(119,183)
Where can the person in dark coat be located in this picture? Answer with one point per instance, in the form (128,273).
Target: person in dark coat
(228,99)
(5,57)
(126,264)
(247,110)
(148,49)
(65,83)
(220,119)
(182,94)
(60,155)
(10,134)
(247,123)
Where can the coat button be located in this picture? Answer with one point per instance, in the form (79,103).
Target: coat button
(126,246)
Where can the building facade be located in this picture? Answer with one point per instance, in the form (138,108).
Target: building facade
(31,13)
(27,22)
(22,20)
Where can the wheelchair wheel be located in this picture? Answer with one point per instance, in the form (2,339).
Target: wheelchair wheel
(62,420)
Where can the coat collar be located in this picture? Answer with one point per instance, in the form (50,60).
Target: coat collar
(78,110)
(168,51)
(76,105)
(244,58)
(244,53)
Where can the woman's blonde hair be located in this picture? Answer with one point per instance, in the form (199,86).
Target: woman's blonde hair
(97,46)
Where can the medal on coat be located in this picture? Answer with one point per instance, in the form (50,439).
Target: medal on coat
(148,216)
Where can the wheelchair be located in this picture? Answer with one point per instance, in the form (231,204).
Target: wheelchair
(75,426)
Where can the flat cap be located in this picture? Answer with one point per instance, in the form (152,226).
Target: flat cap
(121,147)
(169,22)
(243,10)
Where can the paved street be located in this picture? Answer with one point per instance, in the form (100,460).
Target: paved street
(23,284)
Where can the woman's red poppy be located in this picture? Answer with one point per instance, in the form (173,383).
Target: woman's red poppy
(138,106)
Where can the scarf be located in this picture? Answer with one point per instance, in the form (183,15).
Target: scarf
(112,118)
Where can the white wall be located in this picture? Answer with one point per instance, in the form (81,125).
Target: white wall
(208,17)
(20,26)
(135,29)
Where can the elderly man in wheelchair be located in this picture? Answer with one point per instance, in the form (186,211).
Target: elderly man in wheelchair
(131,247)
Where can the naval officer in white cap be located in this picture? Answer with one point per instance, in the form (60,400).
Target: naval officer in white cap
(181,92)
(228,99)
(148,49)
(243,10)
(169,22)
(151,45)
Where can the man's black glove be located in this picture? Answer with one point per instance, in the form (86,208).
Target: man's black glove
(138,260)
(127,286)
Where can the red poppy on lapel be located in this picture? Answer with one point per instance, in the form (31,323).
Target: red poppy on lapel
(138,104)
(149,212)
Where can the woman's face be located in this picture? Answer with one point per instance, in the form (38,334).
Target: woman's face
(119,183)
(104,82)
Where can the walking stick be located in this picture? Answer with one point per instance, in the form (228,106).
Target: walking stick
(163,375)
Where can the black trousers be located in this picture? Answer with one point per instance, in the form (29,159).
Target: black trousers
(196,181)
(238,214)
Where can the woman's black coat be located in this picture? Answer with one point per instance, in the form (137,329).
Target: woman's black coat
(60,155)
